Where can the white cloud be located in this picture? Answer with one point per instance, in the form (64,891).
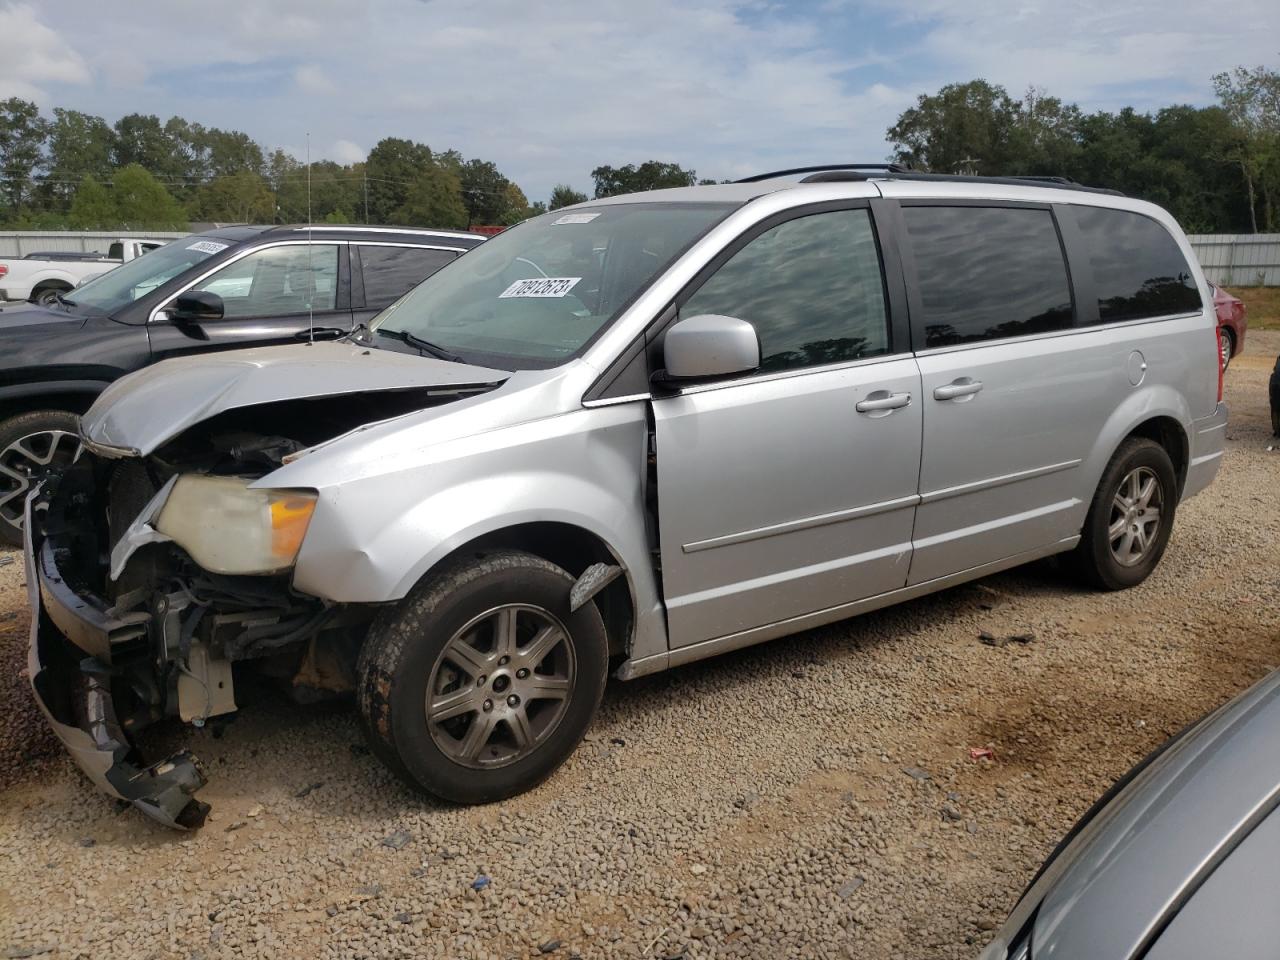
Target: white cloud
(344,151)
(34,55)
(310,79)
(549,91)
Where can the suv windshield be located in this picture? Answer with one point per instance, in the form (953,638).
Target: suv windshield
(137,278)
(534,296)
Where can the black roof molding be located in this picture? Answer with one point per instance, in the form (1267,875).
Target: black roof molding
(823,167)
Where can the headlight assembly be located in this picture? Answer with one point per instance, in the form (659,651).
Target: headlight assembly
(227,527)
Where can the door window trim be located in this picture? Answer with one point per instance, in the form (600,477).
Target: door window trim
(911,274)
(343,281)
(647,347)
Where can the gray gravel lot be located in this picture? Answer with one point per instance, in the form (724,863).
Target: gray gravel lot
(813,797)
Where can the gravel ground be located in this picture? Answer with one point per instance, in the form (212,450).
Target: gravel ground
(813,797)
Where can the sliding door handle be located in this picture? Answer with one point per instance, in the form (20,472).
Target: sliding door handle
(963,387)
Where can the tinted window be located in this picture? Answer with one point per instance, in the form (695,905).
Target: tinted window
(1138,269)
(987,272)
(391,272)
(811,287)
(278,281)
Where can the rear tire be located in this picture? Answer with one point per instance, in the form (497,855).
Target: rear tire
(1130,519)
(488,646)
(31,444)
(1226,346)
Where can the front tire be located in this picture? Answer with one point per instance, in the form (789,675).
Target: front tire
(1130,519)
(31,445)
(482,682)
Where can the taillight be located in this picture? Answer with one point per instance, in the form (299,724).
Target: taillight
(4,268)
(1217,352)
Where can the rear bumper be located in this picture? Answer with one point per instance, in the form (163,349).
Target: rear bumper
(1207,446)
(72,685)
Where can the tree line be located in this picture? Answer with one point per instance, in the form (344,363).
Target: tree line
(1216,168)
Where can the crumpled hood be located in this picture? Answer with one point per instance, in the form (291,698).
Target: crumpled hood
(16,315)
(141,412)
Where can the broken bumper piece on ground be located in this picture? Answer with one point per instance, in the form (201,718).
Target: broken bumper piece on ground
(73,690)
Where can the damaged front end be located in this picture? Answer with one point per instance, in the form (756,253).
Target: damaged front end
(163,637)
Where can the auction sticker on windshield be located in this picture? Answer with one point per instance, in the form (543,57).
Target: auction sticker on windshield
(575,218)
(208,246)
(540,287)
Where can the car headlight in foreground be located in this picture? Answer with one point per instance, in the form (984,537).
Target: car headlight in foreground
(229,527)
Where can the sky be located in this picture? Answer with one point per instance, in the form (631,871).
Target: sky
(550,90)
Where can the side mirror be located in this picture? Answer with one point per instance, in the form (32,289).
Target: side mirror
(709,346)
(196,306)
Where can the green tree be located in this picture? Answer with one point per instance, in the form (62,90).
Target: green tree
(433,199)
(394,167)
(22,136)
(92,208)
(963,128)
(563,195)
(79,146)
(650,175)
(143,203)
(1251,98)
(485,193)
(141,139)
(242,197)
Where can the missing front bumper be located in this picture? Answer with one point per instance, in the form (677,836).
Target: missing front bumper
(73,689)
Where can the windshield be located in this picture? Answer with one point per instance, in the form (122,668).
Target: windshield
(126,283)
(534,296)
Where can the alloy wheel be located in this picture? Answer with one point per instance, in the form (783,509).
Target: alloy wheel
(1224,348)
(501,686)
(28,460)
(1134,527)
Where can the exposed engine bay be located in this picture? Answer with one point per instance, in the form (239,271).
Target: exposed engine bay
(144,632)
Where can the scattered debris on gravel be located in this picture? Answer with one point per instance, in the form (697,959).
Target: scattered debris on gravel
(883,787)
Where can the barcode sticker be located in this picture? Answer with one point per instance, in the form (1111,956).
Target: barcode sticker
(208,246)
(575,218)
(540,287)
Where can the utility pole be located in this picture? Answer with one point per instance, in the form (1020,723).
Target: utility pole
(365,171)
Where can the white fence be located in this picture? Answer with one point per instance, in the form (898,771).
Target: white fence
(1239,259)
(1231,260)
(18,243)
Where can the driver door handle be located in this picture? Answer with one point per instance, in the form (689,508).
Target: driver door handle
(963,387)
(882,400)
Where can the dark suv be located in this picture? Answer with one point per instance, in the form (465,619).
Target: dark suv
(232,287)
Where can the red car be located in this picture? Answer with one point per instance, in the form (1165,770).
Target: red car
(1231,324)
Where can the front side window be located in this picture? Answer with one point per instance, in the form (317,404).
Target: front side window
(812,288)
(985,273)
(128,282)
(535,295)
(1138,270)
(391,272)
(277,281)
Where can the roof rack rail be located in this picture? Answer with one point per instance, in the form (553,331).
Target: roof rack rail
(836,175)
(886,167)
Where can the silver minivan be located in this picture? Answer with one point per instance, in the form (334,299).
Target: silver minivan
(618,438)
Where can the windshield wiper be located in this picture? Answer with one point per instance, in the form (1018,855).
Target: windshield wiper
(426,346)
(63,300)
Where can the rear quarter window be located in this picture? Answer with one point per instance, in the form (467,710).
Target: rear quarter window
(986,273)
(1139,271)
(391,272)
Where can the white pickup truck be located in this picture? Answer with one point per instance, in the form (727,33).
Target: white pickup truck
(42,277)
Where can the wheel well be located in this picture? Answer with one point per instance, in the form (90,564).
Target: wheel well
(52,284)
(574,549)
(1169,434)
(73,402)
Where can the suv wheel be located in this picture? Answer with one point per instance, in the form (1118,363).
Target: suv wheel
(1131,517)
(31,445)
(482,682)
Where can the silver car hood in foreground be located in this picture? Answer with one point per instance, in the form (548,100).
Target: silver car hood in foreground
(1123,878)
(141,412)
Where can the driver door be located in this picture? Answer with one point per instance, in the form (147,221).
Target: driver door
(272,295)
(792,490)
